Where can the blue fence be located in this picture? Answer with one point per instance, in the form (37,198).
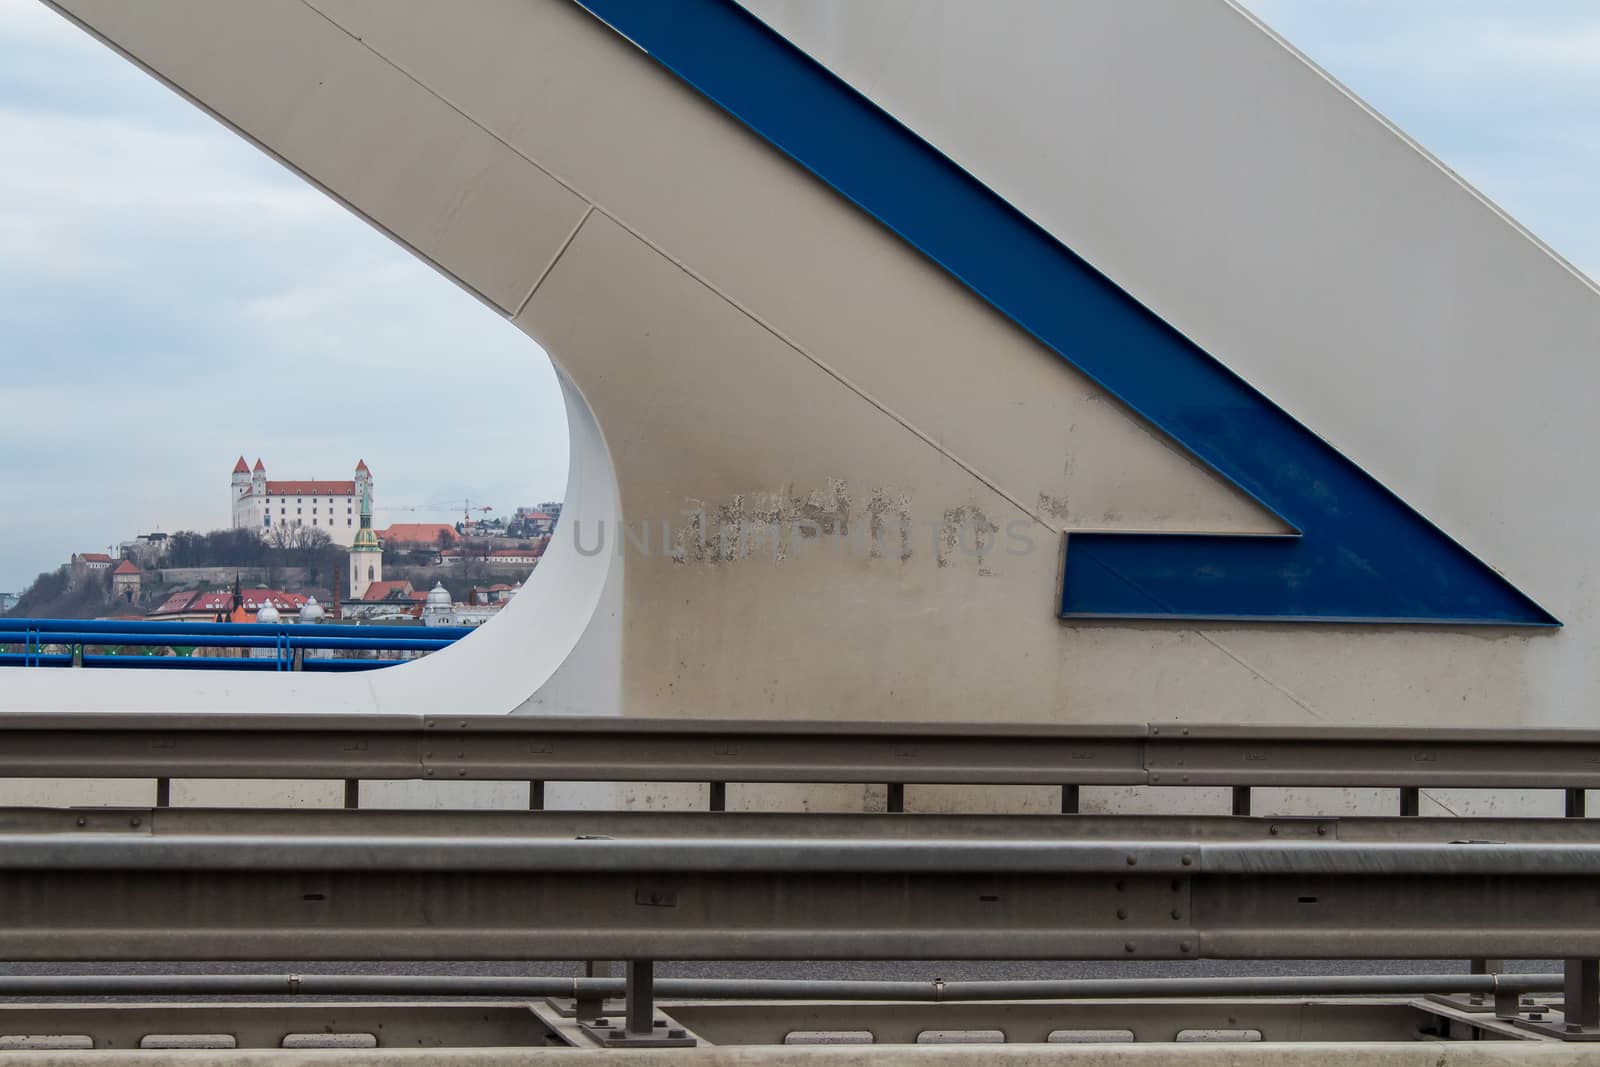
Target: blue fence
(135,644)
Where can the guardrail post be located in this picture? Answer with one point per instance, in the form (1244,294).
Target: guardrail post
(77,655)
(1241,800)
(536,796)
(352,792)
(1581,997)
(1577,801)
(1069,800)
(587,1007)
(1410,801)
(641,998)
(719,796)
(163,792)
(897,797)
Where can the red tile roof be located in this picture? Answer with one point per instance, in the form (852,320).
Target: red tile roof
(240,468)
(361,465)
(125,567)
(418,533)
(262,467)
(311,488)
(188,600)
(386,590)
(94,557)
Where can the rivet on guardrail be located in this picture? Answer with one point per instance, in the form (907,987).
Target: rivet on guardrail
(1155,778)
(462,773)
(1187,861)
(1122,913)
(82,821)
(1133,861)
(1185,946)
(1322,831)
(1130,947)
(1176,914)
(1273,829)
(430,772)
(134,822)
(431,724)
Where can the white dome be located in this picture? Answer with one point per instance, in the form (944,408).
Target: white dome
(312,611)
(439,597)
(268,613)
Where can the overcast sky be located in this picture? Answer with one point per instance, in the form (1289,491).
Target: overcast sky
(170,298)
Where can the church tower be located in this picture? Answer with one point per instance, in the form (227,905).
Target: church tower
(366,555)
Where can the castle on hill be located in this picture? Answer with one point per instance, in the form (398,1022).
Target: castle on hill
(261,504)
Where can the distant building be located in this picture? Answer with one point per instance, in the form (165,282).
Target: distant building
(539,521)
(483,605)
(260,504)
(91,561)
(200,606)
(9,601)
(406,535)
(125,582)
(147,549)
(516,555)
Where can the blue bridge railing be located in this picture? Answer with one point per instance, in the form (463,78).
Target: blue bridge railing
(261,646)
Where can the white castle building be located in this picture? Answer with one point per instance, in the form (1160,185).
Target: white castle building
(260,504)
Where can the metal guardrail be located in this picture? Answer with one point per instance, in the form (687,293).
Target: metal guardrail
(184,884)
(65,643)
(544,748)
(165,883)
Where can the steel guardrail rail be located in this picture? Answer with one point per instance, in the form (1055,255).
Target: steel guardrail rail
(177,884)
(545,748)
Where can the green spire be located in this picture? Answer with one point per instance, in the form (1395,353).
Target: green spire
(366,540)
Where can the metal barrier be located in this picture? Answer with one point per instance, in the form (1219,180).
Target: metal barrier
(66,643)
(167,883)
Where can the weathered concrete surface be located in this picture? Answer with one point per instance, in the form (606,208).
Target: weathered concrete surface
(1419,1054)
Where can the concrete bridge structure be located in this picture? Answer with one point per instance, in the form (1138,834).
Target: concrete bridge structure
(759,330)
(1098,370)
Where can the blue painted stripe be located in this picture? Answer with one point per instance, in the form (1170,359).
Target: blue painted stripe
(1360,554)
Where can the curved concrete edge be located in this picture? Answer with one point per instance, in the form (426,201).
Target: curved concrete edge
(1417,1054)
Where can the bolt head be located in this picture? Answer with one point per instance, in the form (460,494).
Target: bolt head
(1122,913)
(1185,946)
(618,1034)
(676,1034)
(1133,861)
(1130,947)
(1187,861)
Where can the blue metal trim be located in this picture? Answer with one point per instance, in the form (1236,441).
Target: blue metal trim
(1359,553)
(189,629)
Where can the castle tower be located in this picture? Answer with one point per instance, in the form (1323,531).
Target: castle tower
(258,480)
(238,487)
(366,555)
